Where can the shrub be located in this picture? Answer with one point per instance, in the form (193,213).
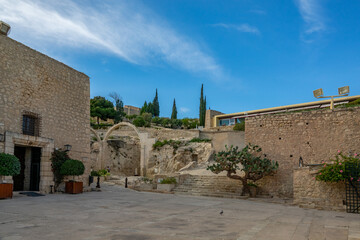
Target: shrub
(200,140)
(239,126)
(175,123)
(57,160)
(157,120)
(9,165)
(190,123)
(166,122)
(72,167)
(103,173)
(147,118)
(168,180)
(139,121)
(94,173)
(339,169)
(131,117)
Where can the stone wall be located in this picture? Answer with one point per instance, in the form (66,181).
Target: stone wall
(313,135)
(209,115)
(167,159)
(57,94)
(221,138)
(310,193)
(122,156)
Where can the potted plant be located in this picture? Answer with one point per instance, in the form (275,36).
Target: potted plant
(146,184)
(73,168)
(9,166)
(167,184)
(253,189)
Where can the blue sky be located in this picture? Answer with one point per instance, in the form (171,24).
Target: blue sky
(249,54)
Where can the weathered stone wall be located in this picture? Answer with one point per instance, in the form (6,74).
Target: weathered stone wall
(310,193)
(59,95)
(122,156)
(313,135)
(221,138)
(167,159)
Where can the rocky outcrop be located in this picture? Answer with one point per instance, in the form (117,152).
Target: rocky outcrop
(169,159)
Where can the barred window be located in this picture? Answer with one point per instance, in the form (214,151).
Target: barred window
(30,125)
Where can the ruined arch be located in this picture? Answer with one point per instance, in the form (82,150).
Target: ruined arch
(117,126)
(145,145)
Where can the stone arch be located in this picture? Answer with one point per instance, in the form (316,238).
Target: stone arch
(145,145)
(117,126)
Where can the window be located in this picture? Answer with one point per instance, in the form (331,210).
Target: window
(30,125)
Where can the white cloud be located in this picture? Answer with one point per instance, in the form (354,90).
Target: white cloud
(126,29)
(311,13)
(241,27)
(184,110)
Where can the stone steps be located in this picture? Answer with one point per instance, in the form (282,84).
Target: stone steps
(211,186)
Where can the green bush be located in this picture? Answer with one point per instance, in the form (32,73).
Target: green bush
(190,123)
(94,173)
(131,117)
(72,167)
(174,143)
(168,180)
(147,118)
(139,121)
(157,120)
(103,172)
(57,160)
(175,123)
(166,122)
(337,171)
(239,126)
(9,165)
(200,140)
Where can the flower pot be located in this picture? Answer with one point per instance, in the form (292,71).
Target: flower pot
(253,191)
(74,187)
(6,190)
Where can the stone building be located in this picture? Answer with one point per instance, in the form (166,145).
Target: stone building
(44,105)
(131,110)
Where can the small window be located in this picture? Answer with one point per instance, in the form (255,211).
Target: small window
(30,125)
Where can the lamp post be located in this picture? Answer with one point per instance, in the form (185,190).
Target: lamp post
(343,91)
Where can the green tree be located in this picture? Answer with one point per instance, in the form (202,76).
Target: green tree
(156,105)
(202,109)
(254,165)
(119,107)
(150,108)
(144,108)
(174,111)
(101,109)
(147,118)
(139,121)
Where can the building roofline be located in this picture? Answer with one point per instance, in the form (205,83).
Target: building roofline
(287,107)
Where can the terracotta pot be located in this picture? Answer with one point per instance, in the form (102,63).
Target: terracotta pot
(6,190)
(74,187)
(253,191)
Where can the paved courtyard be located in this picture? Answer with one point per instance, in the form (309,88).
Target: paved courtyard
(118,213)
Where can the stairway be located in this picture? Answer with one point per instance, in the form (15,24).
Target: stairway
(210,186)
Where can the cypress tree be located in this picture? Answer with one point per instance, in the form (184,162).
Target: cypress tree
(144,108)
(202,109)
(150,108)
(156,105)
(174,111)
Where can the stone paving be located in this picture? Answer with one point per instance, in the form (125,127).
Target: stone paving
(118,213)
